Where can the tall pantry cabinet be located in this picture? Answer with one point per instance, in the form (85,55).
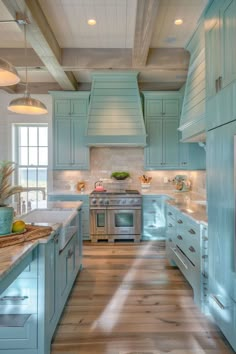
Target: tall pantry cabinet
(220,28)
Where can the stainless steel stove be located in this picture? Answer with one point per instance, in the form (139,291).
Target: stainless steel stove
(115,215)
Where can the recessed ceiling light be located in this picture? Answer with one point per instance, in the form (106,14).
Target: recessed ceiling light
(178,21)
(92,22)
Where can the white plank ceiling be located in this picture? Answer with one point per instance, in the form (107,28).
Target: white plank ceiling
(115,30)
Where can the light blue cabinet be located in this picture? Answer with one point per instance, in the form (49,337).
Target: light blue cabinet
(187,247)
(18,309)
(153,217)
(33,295)
(220,29)
(69,124)
(221,220)
(164,151)
(85,219)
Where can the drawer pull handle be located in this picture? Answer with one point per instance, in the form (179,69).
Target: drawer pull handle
(170,225)
(192,232)
(217,301)
(13,298)
(56,239)
(179,257)
(170,239)
(169,213)
(180,237)
(180,221)
(70,254)
(192,249)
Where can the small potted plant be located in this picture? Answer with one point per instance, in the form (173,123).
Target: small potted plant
(6,191)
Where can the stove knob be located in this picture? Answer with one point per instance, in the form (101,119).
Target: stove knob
(94,201)
(101,201)
(106,202)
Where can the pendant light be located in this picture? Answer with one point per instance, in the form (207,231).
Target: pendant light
(27,104)
(8,74)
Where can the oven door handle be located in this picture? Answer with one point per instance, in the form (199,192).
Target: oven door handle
(124,207)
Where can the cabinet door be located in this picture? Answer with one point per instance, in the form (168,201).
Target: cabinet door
(153,153)
(62,143)
(154,108)
(228,20)
(67,268)
(192,156)
(51,254)
(170,142)
(62,107)
(78,107)
(213,53)
(171,108)
(79,152)
(220,187)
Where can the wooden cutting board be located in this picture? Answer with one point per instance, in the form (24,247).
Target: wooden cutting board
(31,232)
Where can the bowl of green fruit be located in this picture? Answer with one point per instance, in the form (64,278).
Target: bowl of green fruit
(120,175)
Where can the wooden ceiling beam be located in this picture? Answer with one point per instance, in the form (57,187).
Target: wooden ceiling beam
(146,15)
(42,40)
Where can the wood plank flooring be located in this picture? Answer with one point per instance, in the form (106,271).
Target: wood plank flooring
(129,300)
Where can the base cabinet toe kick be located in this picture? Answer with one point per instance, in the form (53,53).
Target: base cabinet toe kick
(187,248)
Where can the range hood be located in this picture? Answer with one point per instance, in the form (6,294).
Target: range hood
(115,115)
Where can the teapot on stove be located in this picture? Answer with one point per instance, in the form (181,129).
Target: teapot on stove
(98,186)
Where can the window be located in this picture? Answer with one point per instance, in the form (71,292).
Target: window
(32,159)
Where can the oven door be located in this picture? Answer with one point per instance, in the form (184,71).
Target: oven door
(124,221)
(98,221)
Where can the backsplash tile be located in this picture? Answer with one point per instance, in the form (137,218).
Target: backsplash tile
(104,161)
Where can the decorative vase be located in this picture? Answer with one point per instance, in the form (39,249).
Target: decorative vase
(6,220)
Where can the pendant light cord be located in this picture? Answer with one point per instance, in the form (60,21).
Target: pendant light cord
(26,64)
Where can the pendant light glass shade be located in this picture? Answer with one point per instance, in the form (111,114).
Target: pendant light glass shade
(8,74)
(27,105)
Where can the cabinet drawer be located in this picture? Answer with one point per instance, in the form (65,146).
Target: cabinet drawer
(223,310)
(18,331)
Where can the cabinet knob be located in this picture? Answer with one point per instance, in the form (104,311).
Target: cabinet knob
(192,232)
(179,237)
(70,253)
(169,213)
(170,225)
(192,249)
(180,221)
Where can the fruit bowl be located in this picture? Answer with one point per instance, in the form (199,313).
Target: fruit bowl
(120,175)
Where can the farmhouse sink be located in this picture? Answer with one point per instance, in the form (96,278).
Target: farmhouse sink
(68,218)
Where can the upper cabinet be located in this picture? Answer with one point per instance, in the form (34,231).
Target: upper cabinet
(220,27)
(69,124)
(192,121)
(220,32)
(164,150)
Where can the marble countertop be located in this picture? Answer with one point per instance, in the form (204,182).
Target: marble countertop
(188,204)
(11,256)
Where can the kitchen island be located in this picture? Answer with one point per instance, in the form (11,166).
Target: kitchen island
(35,281)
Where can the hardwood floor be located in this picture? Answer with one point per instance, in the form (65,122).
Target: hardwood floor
(129,300)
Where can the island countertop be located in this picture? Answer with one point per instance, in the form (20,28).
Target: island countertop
(11,256)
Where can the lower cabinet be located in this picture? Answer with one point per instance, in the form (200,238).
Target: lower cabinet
(19,311)
(187,247)
(85,209)
(33,301)
(68,268)
(153,217)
